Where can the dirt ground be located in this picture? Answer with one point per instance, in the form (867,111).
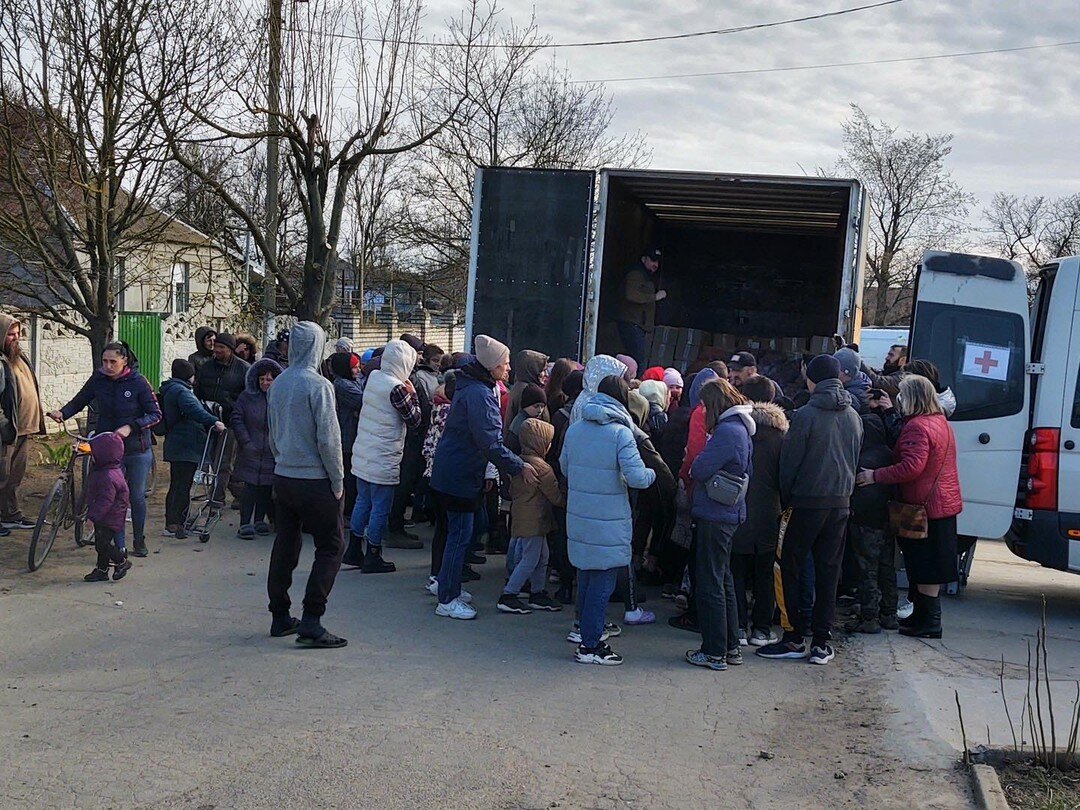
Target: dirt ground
(164,690)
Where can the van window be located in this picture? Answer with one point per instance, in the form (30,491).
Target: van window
(1075,422)
(942,335)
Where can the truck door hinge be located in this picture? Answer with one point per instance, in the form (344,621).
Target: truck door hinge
(1035,368)
(1022,514)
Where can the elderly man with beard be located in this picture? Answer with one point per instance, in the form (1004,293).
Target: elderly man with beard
(21,416)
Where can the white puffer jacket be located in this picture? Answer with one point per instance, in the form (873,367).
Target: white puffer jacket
(380,433)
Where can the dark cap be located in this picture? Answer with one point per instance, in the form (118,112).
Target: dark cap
(533,395)
(652,252)
(182,369)
(742,360)
(225,339)
(823,367)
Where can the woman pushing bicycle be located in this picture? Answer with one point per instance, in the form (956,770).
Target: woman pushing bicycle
(125,405)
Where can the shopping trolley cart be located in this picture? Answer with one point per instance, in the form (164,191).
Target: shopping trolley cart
(205,512)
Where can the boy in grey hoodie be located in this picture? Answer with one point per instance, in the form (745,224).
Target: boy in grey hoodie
(308,485)
(818,462)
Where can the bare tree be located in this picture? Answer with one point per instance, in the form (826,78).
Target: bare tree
(914,205)
(519,113)
(81,156)
(358,81)
(1034,230)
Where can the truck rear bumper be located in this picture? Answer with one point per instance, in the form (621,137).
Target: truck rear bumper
(1051,539)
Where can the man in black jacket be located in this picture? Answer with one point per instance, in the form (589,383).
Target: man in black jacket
(818,462)
(221,380)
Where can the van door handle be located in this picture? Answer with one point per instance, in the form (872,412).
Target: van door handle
(1070,444)
(984,438)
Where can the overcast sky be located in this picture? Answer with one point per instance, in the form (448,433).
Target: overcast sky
(1016,117)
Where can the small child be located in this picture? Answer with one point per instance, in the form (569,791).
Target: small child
(532,520)
(108,499)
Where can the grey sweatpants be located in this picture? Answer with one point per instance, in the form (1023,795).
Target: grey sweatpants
(531,563)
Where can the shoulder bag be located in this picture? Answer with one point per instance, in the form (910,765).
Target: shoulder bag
(910,520)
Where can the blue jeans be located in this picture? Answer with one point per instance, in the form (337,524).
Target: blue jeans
(633,338)
(136,471)
(459,535)
(372,510)
(530,565)
(594,589)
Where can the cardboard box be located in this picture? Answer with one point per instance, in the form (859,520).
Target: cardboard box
(821,345)
(662,351)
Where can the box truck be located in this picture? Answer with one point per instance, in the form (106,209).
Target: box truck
(743,256)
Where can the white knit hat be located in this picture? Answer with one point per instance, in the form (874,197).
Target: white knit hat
(490,352)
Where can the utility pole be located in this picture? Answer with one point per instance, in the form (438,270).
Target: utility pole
(273,165)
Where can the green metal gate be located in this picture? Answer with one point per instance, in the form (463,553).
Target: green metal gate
(142,331)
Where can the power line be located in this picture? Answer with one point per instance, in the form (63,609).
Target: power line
(636,41)
(825,66)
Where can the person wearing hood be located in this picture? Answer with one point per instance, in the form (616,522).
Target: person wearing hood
(107,505)
(852,378)
(561,369)
(659,398)
(728,453)
(391,406)
(533,403)
(411,490)
(697,435)
(125,404)
(204,346)
(278,349)
(21,416)
(753,548)
(631,367)
(186,423)
(596,369)
(246,347)
(348,399)
(254,461)
(529,368)
(472,439)
(308,486)
(871,543)
(533,519)
(601,462)
(818,463)
(222,379)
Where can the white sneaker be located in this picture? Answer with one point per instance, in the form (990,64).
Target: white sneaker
(456,610)
(574,636)
(433,588)
(762,639)
(905,610)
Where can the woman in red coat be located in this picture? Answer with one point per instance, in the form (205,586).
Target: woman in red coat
(925,472)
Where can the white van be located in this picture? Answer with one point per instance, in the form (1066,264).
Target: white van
(1017,421)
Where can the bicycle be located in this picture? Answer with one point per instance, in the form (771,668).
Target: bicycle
(65,505)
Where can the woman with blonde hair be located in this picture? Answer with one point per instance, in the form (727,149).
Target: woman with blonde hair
(719,477)
(926,475)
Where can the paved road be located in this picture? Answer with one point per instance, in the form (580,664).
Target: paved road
(179,698)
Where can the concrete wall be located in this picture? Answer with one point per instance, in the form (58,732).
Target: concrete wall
(443,332)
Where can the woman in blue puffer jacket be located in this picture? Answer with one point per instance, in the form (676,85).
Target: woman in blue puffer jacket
(126,405)
(600,460)
(729,449)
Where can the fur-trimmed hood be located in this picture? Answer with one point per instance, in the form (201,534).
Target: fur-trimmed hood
(767,414)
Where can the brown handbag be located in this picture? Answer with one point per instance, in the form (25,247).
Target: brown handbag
(910,520)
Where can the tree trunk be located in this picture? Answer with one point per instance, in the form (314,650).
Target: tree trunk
(881,294)
(101,333)
(319,286)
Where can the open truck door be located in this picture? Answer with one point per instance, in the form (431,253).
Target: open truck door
(528,259)
(971,320)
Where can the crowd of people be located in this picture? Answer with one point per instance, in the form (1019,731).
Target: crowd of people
(750,504)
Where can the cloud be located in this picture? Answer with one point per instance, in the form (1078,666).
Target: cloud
(1015,117)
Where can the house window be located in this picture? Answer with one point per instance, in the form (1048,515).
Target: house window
(181,286)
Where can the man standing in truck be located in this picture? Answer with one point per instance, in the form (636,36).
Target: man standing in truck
(637,310)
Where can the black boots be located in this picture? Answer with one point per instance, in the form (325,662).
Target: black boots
(375,564)
(925,621)
(354,554)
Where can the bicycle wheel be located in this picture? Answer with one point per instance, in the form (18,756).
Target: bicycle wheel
(82,537)
(53,513)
